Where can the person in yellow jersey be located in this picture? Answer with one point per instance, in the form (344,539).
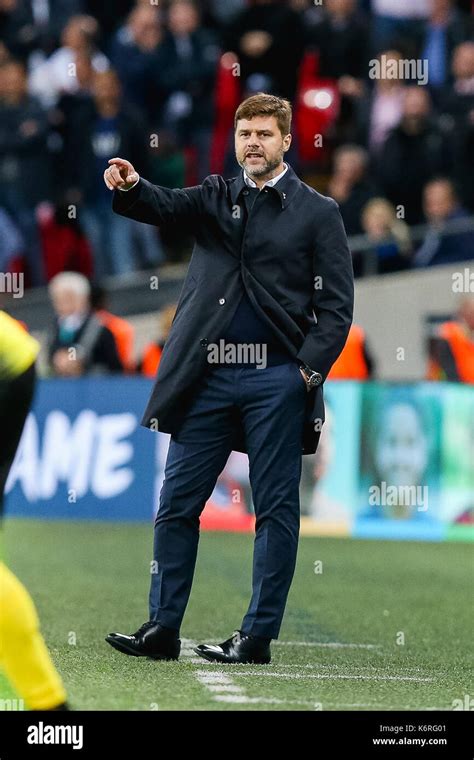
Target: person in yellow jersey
(24,657)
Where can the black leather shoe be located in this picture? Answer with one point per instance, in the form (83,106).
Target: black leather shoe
(240,648)
(151,640)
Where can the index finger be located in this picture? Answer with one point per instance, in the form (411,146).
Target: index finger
(119,161)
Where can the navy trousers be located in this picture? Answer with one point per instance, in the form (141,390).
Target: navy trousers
(270,404)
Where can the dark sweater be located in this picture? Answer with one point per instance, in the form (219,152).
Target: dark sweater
(246,325)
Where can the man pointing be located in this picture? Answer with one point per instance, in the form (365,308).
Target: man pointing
(263,314)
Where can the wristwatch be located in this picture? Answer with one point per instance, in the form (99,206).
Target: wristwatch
(312,378)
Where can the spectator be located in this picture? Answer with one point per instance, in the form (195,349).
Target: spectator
(64,245)
(445,29)
(122,330)
(458,104)
(382,110)
(152,353)
(57,75)
(80,344)
(396,20)
(414,152)
(187,63)
(349,185)
(132,54)
(24,161)
(268,39)
(451,353)
(107,128)
(458,100)
(109,14)
(17,28)
(389,236)
(11,241)
(341,39)
(441,207)
(356,361)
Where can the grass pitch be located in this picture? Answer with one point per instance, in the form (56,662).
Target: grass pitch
(380,625)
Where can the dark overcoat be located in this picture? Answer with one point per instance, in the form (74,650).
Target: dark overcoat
(291,257)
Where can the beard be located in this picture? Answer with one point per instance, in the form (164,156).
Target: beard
(265,168)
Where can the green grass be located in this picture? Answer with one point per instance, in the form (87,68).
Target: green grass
(89,578)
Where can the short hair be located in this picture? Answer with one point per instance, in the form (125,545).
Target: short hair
(442,180)
(263,104)
(73,281)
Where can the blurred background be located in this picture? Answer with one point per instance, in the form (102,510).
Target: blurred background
(158,84)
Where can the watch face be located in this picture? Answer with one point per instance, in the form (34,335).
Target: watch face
(316,379)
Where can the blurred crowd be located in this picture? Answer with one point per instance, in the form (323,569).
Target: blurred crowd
(158,83)
(86,338)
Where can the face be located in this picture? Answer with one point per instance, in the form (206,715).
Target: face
(13,81)
(340,7)
(66,302)
(349,165)
(259,145)
(106,86)
(439,201)
(417,103)
(182,18)
(145,27)
(402,450)
(463,61)
(376,222)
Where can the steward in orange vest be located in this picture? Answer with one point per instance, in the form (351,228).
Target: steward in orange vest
(355,361)
(452,349)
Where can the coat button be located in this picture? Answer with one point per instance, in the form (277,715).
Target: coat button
(222,301)
(203,342)
(245,192)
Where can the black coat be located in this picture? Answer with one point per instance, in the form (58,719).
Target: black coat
(293,234)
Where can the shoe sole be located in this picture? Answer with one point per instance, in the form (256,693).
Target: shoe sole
(127,650)
(211,658)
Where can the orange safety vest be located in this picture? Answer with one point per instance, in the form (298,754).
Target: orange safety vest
(151,359)
(351,364)
(462,349)
(123,333)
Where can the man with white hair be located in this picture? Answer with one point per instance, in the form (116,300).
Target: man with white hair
(80,343)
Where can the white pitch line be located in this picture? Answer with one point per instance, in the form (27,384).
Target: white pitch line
(243,700)
(224,687)
(213,678)
(330,644)
(321,676)
(215,681)
(315,703)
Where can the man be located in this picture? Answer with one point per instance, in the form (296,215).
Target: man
(350,186)
(80,343)
(451,348)
(269,250)
(104,125)
(442,208)
(23,154)
(414,152)
(24,657)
